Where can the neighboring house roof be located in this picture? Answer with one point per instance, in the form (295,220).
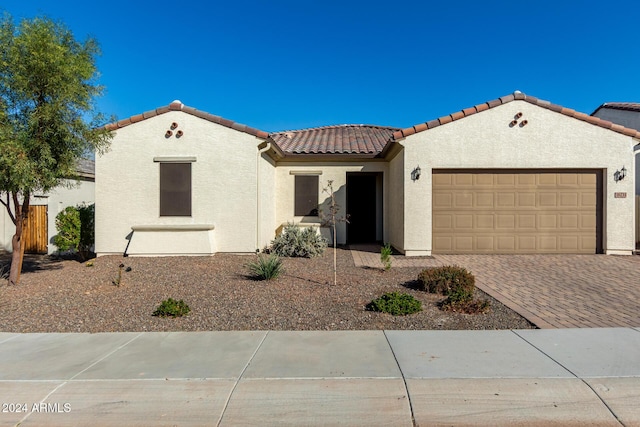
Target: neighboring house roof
(86,168)
(628,106)
(505,99)
(179,106)
(339,139)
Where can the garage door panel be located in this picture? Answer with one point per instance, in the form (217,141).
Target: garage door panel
(463,200)
(548,200)
(464,221)
(506,200)
(484,221)
(483,179)
(526,200)
(484,243)
(569,199)
(541,211)
(484,200)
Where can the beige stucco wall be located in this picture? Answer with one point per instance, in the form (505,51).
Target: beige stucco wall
(395,191)
(549,140)
(224,189)
(335,171)
(70,193)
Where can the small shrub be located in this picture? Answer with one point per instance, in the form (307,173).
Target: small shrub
(468,307)
(395,303)
(298,242)
(448,280)
(457,284)
(385,256)
(118,280)
(266,267)
(172,308)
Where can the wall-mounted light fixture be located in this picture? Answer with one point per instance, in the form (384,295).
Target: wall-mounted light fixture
(415,173)
(620,175)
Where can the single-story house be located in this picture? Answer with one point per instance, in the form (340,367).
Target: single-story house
(41,224)
(512,175)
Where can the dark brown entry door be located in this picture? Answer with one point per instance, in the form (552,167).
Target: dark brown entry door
(361,207)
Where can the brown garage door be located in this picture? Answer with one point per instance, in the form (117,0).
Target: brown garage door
(517,211)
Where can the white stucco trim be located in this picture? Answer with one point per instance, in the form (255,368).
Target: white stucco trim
(175,159)
(303,172)
(173,227)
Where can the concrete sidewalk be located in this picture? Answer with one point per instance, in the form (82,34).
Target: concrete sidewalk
(356,378)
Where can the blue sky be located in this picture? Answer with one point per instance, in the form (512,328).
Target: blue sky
(279,64)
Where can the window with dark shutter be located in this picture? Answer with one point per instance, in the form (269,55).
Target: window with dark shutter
(306,195)
(175,189)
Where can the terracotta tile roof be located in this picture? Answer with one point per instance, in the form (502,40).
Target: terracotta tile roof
(518,96)
(629,106)
(179,106)
(340,139)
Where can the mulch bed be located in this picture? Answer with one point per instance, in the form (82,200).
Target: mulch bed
(62,295)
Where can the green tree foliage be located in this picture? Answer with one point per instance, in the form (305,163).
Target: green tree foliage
(48,119)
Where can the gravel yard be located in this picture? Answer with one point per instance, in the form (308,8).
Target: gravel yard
(57,295)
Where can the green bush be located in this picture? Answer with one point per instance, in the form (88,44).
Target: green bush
(75,225)
(266,267)
(172,308)
(68,226)
(298,242)
(395,303)
(385,256)
(448,280)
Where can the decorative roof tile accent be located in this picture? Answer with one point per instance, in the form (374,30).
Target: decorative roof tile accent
(179,106)
(339,139)
(403,133)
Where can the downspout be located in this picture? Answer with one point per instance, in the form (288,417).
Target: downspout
(266,148)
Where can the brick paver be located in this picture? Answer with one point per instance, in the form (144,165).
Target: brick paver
(552,291)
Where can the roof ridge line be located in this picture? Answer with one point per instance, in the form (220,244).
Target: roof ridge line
(517,95)
(336,126)
(177,105)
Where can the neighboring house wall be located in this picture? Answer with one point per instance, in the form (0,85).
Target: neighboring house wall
(549,140)
(224,189)
(69,193)
(629,119)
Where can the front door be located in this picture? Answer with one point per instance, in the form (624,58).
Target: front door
(361,208)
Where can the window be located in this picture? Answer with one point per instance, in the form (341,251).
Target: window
(175,189)
(306,195)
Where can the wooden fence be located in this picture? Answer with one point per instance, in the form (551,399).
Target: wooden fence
(35,233)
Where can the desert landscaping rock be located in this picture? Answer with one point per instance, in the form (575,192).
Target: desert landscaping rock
(61,295)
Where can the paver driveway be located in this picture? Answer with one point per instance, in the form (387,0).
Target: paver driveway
(552,291)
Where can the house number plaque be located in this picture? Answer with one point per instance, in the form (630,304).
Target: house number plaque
(620,195)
